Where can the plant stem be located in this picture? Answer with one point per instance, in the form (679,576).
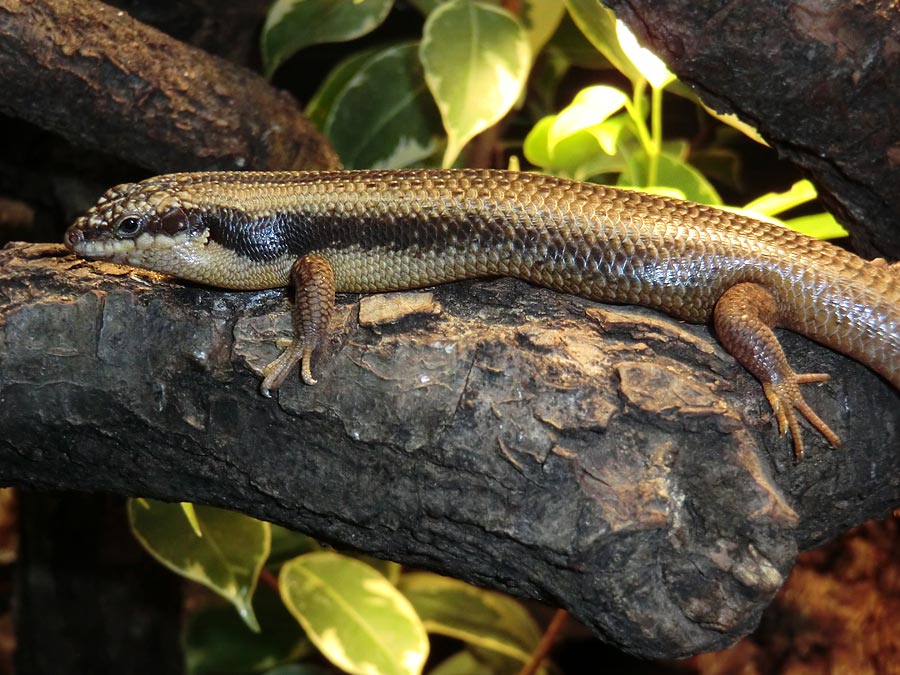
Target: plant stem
(550,635)
(635,110)
(656,133)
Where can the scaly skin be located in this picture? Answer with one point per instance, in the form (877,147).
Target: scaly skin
(363,231)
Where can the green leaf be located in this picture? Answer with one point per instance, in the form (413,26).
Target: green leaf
(543,83)
(191,516)
(216,641)
(598,25)
(292,25)
(383,116)
(719,164)
(227,558)
(320,105)
(357,619)
(476,59)
(819,225)
(541,19)
(773,203)
(578,151)
(462,663)
(590,108)
(478,617)
(648,63)
(672,172)
(536,147)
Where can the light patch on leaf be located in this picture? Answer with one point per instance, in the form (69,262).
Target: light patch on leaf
(354,615)
(650,65)
(476,58)
(226,557)
(383,115)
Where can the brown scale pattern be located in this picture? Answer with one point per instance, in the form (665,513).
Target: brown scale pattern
(388,230)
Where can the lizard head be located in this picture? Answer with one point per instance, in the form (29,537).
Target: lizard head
(177,225)
(186,225)
(146,224)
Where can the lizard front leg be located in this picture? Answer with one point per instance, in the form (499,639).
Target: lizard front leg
(313,280)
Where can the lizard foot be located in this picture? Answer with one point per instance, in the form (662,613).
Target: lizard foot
(786,400)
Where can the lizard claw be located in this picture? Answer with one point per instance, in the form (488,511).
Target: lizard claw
(786,400)
(275,373)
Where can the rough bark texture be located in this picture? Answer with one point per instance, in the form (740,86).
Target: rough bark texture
(838,612)
(604,459)
(818,78)
(105,81)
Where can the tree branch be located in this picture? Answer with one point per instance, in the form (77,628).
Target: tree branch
(105,81)
(819,81)
(606,460)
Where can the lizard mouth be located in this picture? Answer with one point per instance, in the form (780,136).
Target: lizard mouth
(97,248)
(102,246)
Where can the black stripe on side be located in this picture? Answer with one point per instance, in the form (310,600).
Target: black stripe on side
(258,240)
(424,230)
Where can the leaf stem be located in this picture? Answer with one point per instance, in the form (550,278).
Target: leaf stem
(656,97)
(269,579)
(549,637)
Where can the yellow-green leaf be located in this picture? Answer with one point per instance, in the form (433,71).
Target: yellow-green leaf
(590,107)
(476,58)
(650,65)
(462,663)
(481,618)
(598,24)
(292,25)
(773,203)
(227,557)
(577,152)
(819,225)
(191,516)
(736,122)
(357,619)
(536,146)
(541,19)
(672,172)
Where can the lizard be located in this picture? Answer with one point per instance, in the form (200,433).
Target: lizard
(379,230)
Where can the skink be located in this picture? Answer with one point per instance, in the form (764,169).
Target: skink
(363,231)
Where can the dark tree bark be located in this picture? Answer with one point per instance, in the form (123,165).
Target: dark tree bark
(105,81)
(604,459)
(819,79)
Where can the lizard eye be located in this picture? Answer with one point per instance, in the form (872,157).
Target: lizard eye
(128,226)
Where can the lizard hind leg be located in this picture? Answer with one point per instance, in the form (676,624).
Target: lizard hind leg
(313,281)
(744,317)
